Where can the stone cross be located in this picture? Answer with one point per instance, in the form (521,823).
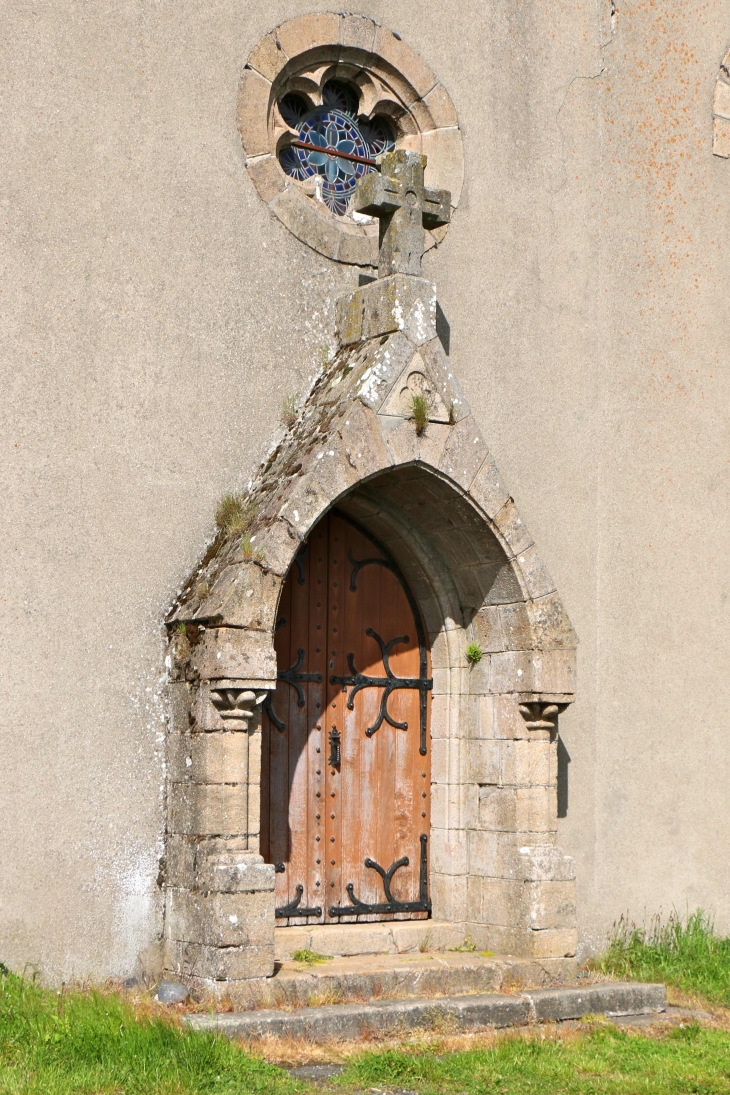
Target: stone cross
(399,198)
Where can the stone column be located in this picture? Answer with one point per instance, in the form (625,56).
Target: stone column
(219,927)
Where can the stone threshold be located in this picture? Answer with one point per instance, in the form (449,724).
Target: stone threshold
(377,937)
(382,1018)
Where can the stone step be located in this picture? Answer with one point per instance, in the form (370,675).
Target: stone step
(384,937)
(452,1014)
(365,977)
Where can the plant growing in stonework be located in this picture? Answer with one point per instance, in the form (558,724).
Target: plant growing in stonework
(234,514)
(289,410)
(248,549)
(182,643)
(473,653)
(420,410)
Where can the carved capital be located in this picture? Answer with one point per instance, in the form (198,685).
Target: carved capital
(235,704)
(541,714)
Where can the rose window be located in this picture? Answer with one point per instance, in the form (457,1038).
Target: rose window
(331,144)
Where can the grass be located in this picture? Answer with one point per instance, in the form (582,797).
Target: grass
(102,1043)
(605,1061)
(685,954)
(98,1044)
(420,410)
(234,514)
(290,407)
(310,958)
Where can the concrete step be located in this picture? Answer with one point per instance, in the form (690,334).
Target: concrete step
(445,1014)
(367,977)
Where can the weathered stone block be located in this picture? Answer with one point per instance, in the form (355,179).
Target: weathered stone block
(448,897)
(178,757)
(267,56)
(221,919)
(389,304)
(440,107)
(179,861)
(484,724)
(448,853)
(299,214)
(406,62)
(445,152)
(488,490)
(208,809)
(220,757)
(536,809)
(484,761)
(487,625)
(307,32)
(513,529)
(513,671)
(550,626)
(227,963)
(534,577)
(526,763)
(721,104)
(503,901)
(253,109)
(226,652)
(244,595)
(222,869)
(554,943)
(465,453)
(498,809)
(551,904)
(179,701)
(484,854)
(545,864)
(358,32)
(721,137)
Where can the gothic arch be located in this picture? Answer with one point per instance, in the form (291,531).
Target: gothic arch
(435,498)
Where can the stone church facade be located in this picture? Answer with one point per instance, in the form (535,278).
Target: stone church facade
(324,272)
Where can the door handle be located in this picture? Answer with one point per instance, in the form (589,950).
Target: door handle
(334,747)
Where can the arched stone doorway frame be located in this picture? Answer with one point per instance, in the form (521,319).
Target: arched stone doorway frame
(494,863)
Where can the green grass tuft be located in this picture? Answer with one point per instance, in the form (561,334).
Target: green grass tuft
(420,410)
(687,954)
(234,514)
(96,1044)
(310,958)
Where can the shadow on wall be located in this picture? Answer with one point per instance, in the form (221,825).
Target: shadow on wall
(563,762)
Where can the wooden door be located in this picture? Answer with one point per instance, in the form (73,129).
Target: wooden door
(346,777)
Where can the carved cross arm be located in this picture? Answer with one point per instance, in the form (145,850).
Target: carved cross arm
(377,194)
(436,208)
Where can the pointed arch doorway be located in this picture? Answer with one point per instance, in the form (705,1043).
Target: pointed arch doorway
(346,779)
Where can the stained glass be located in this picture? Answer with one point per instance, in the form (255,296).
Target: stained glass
(334,129)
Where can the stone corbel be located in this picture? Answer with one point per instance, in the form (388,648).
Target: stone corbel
(541,713)
(235,702)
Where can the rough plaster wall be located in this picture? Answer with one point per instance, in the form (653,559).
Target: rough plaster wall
(154,314)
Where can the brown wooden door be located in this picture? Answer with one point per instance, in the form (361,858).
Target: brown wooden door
(346,777)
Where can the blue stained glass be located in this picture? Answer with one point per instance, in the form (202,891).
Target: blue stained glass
(333,130)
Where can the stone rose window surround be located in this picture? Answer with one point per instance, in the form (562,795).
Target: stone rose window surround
(721,111)
(393,97)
